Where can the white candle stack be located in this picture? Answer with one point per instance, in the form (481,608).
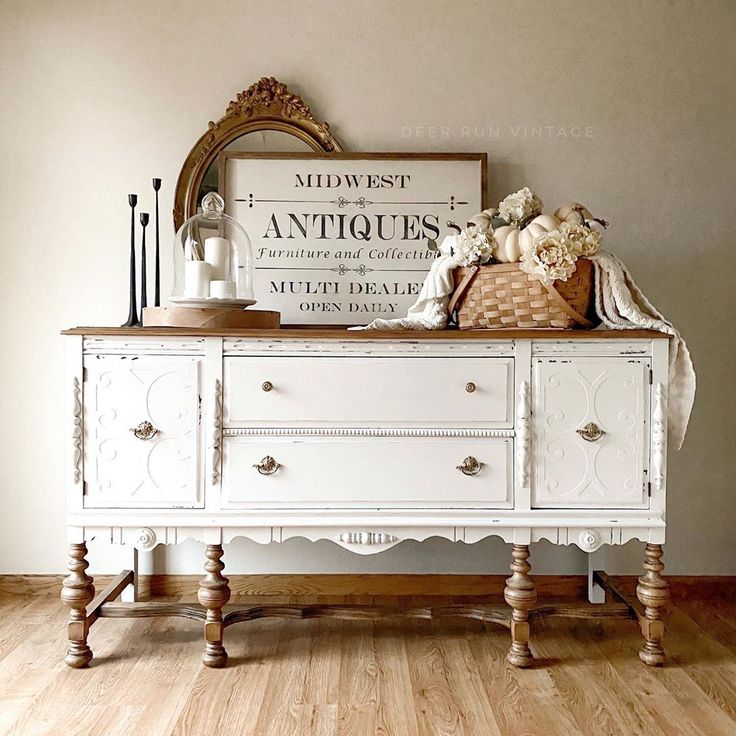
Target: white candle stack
(207,275)
(197,276)
(217,254)
(220,289)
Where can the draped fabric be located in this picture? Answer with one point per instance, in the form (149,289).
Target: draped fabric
(619,305)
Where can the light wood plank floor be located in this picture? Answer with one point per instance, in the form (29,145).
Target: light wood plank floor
(288,678)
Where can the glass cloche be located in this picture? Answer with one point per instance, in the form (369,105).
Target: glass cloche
(213,259)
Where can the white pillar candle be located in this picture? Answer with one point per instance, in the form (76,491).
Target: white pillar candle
(222,289)
(217,254)
(197,278)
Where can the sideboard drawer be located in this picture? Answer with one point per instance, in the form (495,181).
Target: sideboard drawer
(288,391)
(382,472)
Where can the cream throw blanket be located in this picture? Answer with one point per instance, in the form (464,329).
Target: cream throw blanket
(429,311)
(619,304)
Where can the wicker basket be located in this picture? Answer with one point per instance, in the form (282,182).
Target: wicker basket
(502,295)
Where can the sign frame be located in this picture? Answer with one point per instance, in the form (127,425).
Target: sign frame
(240,204)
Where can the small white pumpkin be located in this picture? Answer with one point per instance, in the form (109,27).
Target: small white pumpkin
(577,214)
(573,212)
(512,242)
(482,220)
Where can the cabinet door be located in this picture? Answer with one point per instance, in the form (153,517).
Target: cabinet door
(572,471)
(123,470)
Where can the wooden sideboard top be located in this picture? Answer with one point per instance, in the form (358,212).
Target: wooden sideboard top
(339,333)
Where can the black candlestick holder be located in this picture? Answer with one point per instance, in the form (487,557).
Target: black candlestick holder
(144,263)
(157,274)
(133,320)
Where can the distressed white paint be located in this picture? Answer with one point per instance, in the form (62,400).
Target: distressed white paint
(216,438)
(659,437)
(365,477)
(570,393)
(77,429)
(523,434)
(389,472)
(401,390)
(123,470)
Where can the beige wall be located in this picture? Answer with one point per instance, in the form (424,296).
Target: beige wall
(98,97)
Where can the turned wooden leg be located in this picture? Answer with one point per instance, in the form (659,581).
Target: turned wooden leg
(653,592)
(521,596)
(213,594)
(76,593)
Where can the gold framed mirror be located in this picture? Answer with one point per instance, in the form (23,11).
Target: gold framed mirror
(265,117)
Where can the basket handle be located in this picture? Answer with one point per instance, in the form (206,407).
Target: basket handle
(565,307)
(462,288)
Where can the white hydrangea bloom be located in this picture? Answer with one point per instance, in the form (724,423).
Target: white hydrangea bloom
(474,245)
(520,206)
(582,240)
(550,258)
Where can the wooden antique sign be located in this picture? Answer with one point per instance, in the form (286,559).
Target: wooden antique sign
(341,239)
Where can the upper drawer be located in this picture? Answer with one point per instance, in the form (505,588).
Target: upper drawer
(365,391)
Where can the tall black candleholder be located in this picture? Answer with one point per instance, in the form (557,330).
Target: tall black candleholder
(144,263)
(133,320)
(157,275)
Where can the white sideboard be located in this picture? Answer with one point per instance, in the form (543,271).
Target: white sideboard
(365,439)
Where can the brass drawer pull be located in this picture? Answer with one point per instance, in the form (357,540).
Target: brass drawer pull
(591,432)
(267,386)
(267,466)
(144,431)
(470,466)
(470,387)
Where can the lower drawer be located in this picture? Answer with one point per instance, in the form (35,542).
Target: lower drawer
(359,472)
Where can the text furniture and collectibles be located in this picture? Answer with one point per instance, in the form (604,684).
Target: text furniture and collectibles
(365,439)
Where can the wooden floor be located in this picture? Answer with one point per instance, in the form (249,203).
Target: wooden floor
(288,678)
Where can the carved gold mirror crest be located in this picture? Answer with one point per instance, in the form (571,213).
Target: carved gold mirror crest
(283,120)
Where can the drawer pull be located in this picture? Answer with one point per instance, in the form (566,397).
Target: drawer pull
(470,466)
(591,432)
(267,466)
(470,387)
(144,431)
(267,386)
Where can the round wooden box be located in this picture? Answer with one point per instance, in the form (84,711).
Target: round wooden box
(248,319)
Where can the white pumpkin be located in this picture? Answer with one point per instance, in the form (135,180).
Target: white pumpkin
(483,219)
(577,214)
(512,242)
(573,212)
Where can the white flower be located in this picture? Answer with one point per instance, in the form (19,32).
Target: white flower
(550,258)
(582,240)
(474,245)
(520,206)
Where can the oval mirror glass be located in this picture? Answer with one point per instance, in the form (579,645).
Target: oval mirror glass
(261,141)
(267,118)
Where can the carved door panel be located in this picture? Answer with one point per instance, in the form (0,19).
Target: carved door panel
(590,432)
(157,466)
